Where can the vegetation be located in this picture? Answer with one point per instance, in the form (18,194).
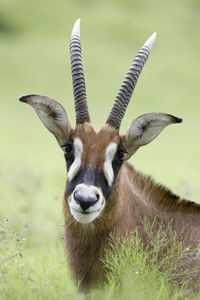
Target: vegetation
(34,42)
(158,271)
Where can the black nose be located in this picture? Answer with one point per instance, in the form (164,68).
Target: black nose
(85,203)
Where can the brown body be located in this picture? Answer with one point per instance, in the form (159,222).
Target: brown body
(105,195)
(134,196)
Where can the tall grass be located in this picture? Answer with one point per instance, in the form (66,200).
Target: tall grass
(133,271)
(156,271)
(11,248)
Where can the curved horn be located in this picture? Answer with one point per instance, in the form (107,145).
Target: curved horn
(128,85)
(81,106)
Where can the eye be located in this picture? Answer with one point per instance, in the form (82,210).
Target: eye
(68,150)
(120,154)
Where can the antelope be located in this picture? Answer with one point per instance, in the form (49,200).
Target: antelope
(104,194)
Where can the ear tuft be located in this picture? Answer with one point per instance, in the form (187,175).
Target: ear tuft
(24,98)
(177,120)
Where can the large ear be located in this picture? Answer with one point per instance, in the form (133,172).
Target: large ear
(52,114)
(145,129)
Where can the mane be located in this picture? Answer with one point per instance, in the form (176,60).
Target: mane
(160,197)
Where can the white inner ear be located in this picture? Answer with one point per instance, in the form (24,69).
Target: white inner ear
(78,149)
(108,169)
(52,114)
(146,128)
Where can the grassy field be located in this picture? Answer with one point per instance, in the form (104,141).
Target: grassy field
(34,58)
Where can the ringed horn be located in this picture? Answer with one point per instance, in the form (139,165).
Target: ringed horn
(81,106)
(128,85)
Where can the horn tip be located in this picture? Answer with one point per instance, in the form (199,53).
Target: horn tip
(151,40)
(76,28)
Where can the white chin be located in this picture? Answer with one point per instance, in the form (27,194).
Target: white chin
(84,218)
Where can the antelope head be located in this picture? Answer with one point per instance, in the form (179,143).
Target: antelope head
(94,159)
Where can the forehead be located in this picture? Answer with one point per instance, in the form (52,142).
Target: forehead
(95,142)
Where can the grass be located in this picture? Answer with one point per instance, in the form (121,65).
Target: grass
(132,270)
(25,275)
(148,272)
(34,42)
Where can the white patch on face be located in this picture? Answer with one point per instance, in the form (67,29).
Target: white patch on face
(108,169)
(78,149)
(92,212)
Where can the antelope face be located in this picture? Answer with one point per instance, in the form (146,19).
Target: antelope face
(94,158)
(93,161)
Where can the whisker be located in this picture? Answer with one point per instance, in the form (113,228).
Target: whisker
(72,221)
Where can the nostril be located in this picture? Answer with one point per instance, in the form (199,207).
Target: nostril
(76,197)
(85,202)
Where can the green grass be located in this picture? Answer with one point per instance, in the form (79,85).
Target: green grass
(34,58)
(133,271)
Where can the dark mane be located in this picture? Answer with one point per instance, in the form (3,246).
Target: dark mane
(160,197)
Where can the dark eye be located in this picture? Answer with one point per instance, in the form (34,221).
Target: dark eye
(68,148)
(68,153)
(120,153)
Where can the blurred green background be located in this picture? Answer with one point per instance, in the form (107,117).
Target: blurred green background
(34,58)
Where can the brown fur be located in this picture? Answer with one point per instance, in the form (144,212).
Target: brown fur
(133,197)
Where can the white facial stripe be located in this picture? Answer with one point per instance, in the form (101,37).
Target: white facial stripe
(108,170)
(78,149)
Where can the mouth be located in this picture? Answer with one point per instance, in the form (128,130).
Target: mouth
(84,217)
(86,212)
